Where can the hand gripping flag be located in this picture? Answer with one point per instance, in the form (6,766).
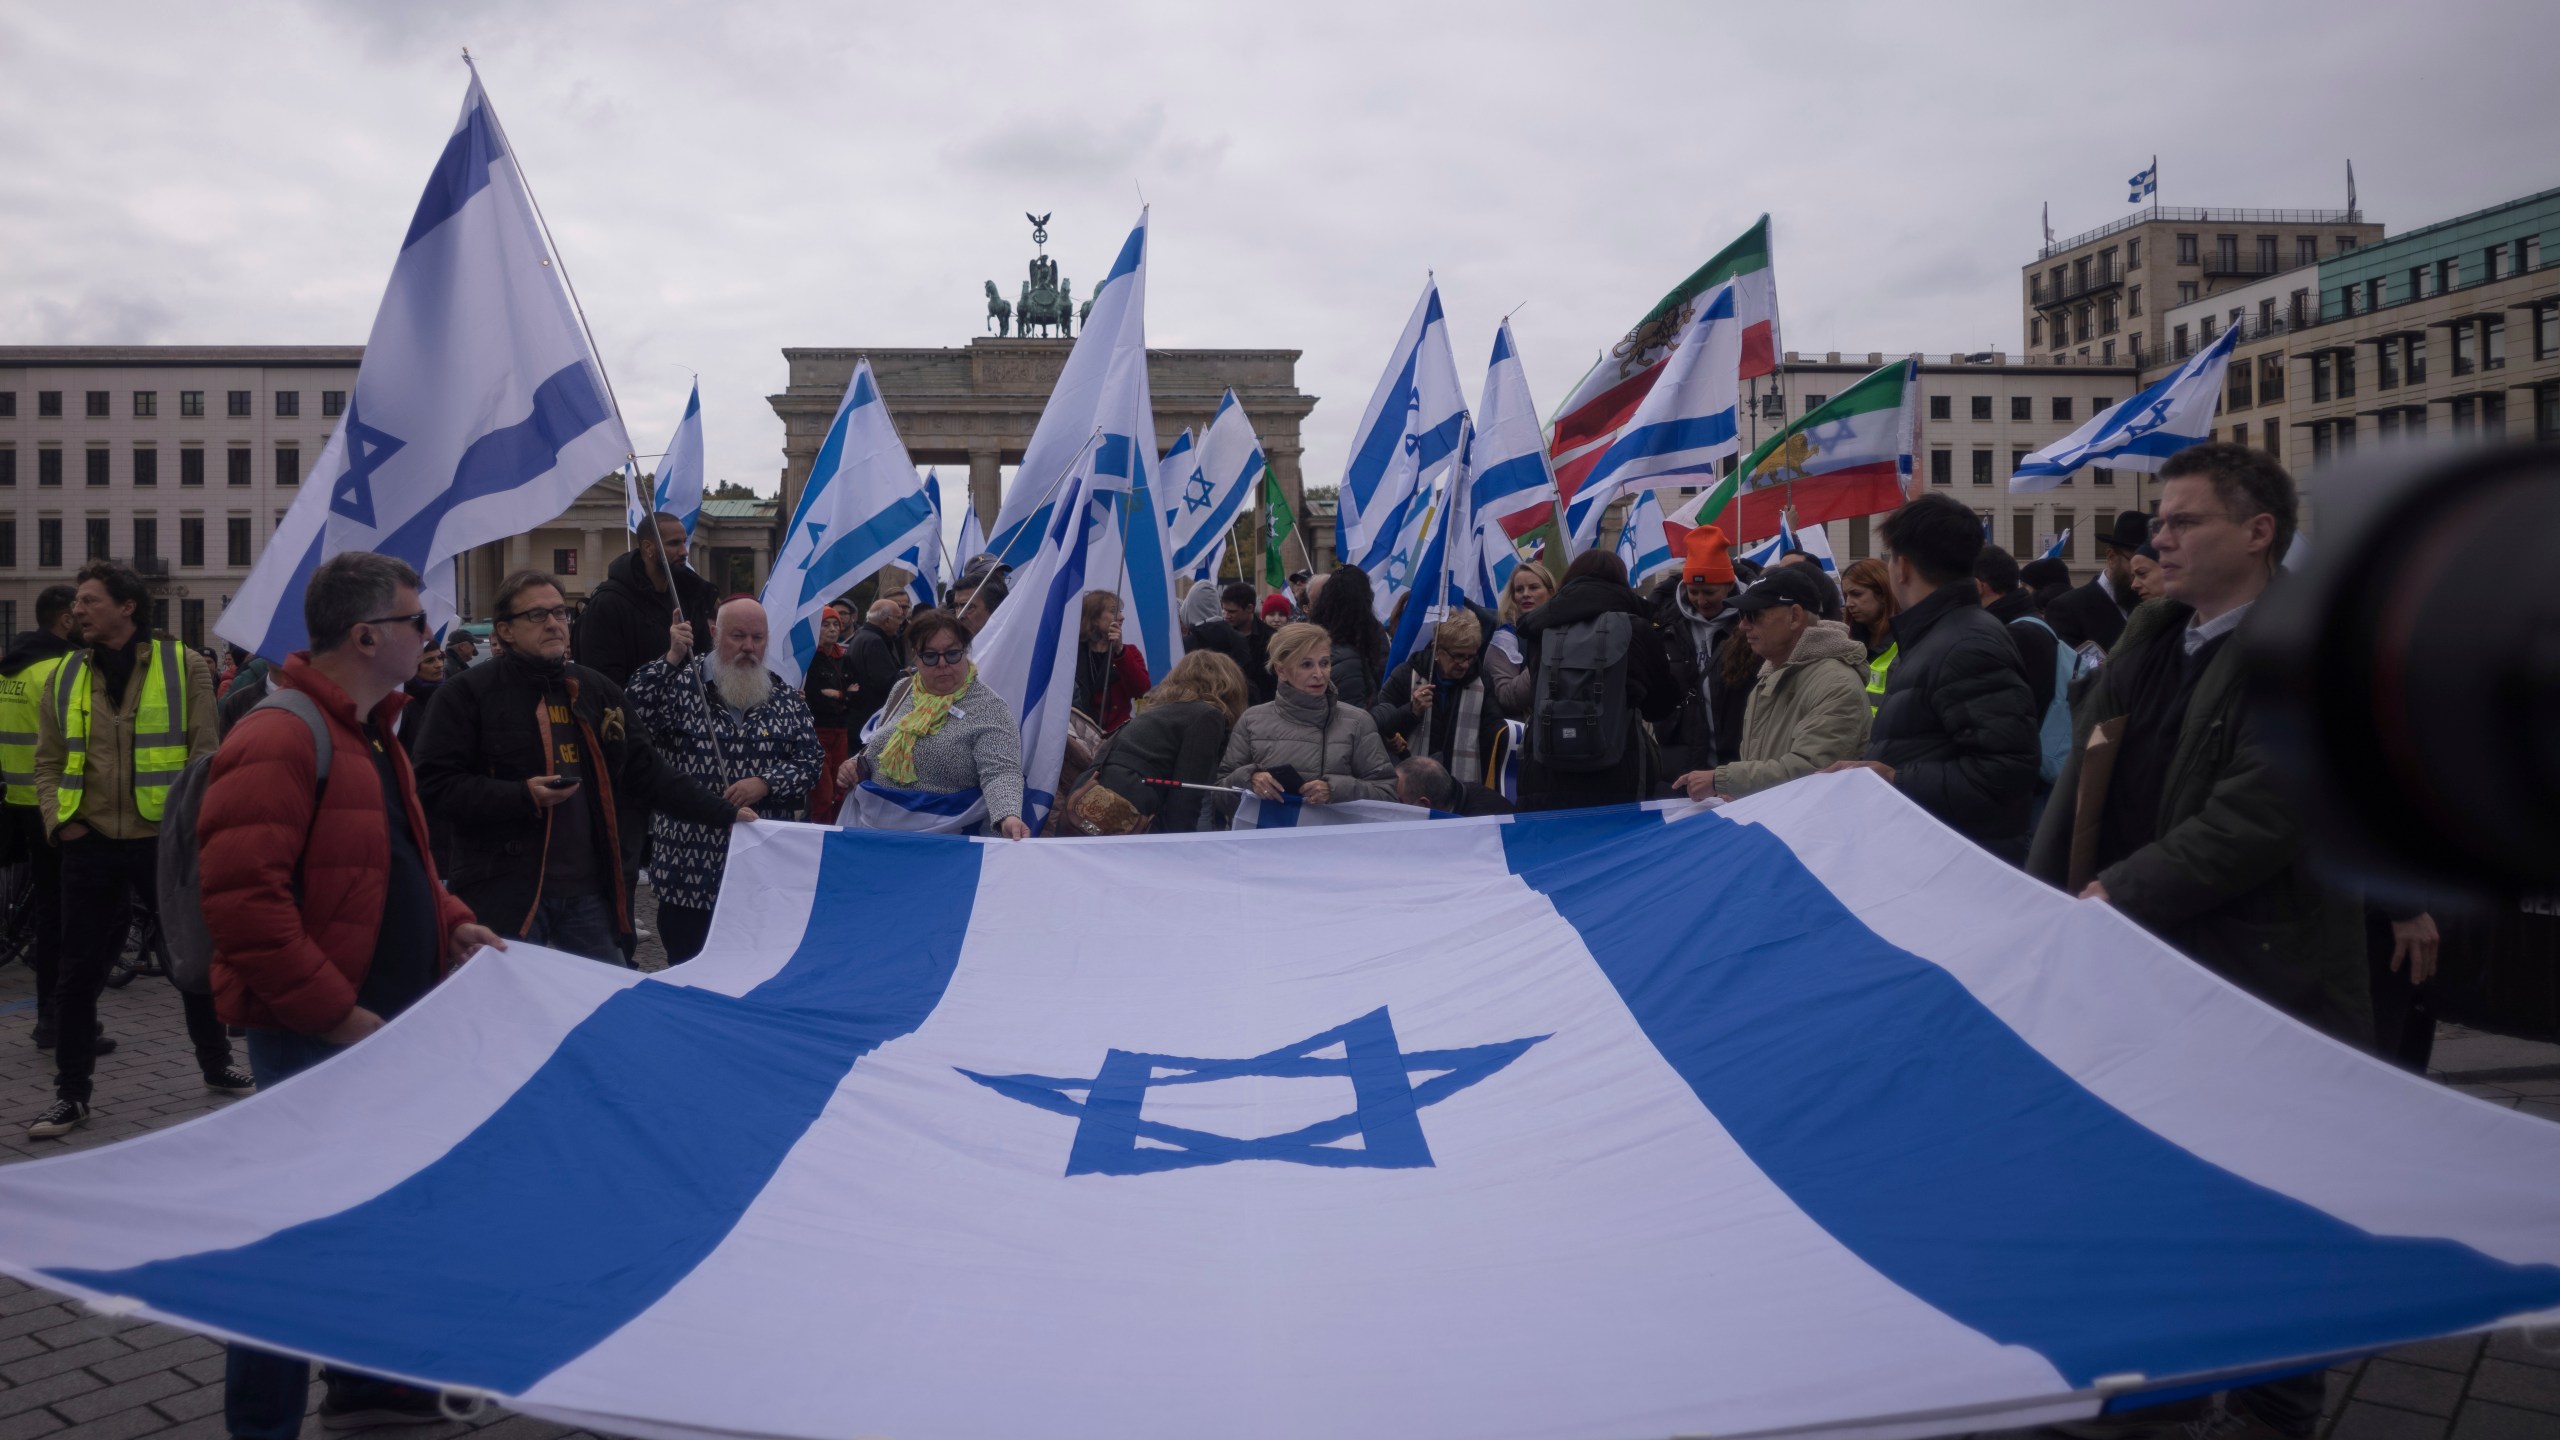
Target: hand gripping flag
(1643,544)
(1403,442)
(1223,476)
(679,487)
(1515,486)
(2140,433)
(479,411)
(1849,456)
(862,507)
(1685,424)
(1870,1136)
(1605,402)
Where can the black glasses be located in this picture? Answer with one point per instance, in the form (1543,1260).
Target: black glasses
(416,620)
(943,657)
(538,615)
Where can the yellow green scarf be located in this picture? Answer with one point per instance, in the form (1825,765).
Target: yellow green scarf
(894,757)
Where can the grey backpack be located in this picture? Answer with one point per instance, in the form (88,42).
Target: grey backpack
(181,884)
(1578,713)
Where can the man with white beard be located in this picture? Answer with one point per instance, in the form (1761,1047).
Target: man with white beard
(725,721)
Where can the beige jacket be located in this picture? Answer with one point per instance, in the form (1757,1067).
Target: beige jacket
(1804,715)
(106,797)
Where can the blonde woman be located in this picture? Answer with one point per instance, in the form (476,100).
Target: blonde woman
(1306,740)
(1178,735)
(1505,664)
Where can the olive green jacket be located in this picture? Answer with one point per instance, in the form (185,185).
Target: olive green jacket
(1804,715)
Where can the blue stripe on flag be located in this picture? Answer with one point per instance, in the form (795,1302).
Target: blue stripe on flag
(598,1185)
(461,172)
(1927,1137)
(1132,250)
(1508,478)
(565,406)
(865,543)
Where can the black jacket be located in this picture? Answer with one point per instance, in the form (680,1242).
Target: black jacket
(829,672)
(1958,723)
(625,623)
(872,657)
(1652,694)
(1259,683)
(1180,740)
(1706,731)
(31,646)
(2086,614)
(2036,645)
(1220,636)
(1397,719)
(483,741)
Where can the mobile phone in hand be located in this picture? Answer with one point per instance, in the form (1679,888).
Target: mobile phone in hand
(558,782)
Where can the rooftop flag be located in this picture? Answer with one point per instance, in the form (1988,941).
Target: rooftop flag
(2140,433)
(2144,183)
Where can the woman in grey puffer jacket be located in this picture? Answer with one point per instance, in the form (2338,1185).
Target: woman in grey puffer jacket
(1333,746)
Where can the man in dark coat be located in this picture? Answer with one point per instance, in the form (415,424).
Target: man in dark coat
(873,657)
(1596,585)
(1438,705)
(625,624)
(2095,612)
(1957,729)
(1696,626)
(1243,615)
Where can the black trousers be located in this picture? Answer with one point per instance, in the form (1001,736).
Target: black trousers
(101,880)
(682,929)
(44,908)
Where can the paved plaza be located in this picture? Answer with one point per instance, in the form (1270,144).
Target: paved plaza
(70,1375)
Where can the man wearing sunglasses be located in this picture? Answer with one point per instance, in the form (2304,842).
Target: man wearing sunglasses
(532,763)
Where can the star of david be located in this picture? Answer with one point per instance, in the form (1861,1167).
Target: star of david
(1399,566)
(1114,1137)
(1199,494)
(817,535)
(367,449)
(2154,415)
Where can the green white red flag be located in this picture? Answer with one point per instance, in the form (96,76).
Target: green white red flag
(1850,456)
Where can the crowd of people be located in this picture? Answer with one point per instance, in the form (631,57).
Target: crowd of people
(2102,736)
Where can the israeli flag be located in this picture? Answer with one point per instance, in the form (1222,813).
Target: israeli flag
(1028,652)
(2140,433)
(1212,488)
(1445,577)
(478,413)
(1403,565)
(862,507)
(1514,481)
(1291,813)
(1872,1136)
(2061,545)
(1405,439)
(1684,424)
(679,488)
(874,806)
(971,541)
(923,563)
(1643,545)
(2143,183)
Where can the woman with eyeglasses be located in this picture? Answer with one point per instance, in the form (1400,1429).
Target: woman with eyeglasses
(943,754)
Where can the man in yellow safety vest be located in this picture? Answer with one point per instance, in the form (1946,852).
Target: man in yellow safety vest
(24,672)
(116,724)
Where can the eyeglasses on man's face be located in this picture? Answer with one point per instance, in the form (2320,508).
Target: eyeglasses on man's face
(416,620)
(537,615)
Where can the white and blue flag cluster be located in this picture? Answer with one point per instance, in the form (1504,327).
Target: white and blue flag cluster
(1209,486)
(862,507)
(1405,439)
(479,411)
(2140,433)
(1686,423)
(1027,654)
(1563,1143)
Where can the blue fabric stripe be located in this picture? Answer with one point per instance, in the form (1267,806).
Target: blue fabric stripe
(626,1158)
(565,406)
(1510,477)
(461,172)
(868,545)
(1133,252)
(1933,1142)
(1670,437)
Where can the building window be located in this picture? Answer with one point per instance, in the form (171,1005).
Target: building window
(2546,332)
(97,465)
(191,540)
(2417,282)
(48,544)
(2346,299)
(2061,407)
(146,540)
(146,466)
(288,404)
(98,539)
(2270,379)
(2465,355)
(2080,323)
(2529,252)
(2491,262)
(2022,407)
(97,406)
(2137,347)
(239,403)
(2320,385)
(191,623)
(2035,331)
(2415,368)
(2240,433)
(238,465)
(2187,292)
(2373,294)
(48,404)
(2344,432)
(2493,342)
(2107,265)
(2301,308)
(2239,397)
(2306,249)
(49,466)
(2266,254)
(191,465)
(2386,363)
(235,535)
(2133,302)
(564,562)
(2226,252)
(2100,474)
(1981,467)
(2493,417)
(1942,467)
(2449,274)
(8,404)
(2273,431)
(2177,342)
(8,467)
(333,403)
(1941,407)
(2107,351)
(288,464)
(146,404)
(2346,374)
(2133,253)
(2186,249)
(1814,402)
(2107,316)
(191,402)
(1981,407)
(2017,457)
(8,545)
(2345,244)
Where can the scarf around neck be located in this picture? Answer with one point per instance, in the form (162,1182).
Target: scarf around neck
(894,757)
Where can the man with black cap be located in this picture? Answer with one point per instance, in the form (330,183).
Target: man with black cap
(1808,709)
(2094,613)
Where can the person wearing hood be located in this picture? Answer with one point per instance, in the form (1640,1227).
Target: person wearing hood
(625,623)
(34,656)
(1808,709)
(1641,685)
(1696,626)
(1205,625)
(531,763)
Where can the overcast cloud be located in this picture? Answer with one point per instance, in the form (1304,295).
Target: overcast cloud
(725,180)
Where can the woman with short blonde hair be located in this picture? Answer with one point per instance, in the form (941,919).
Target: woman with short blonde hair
(1306,741)
(1506,671)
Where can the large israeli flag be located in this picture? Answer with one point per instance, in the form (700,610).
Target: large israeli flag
(1213,489)
(1871,1136)
(1405,439)
(478,413)
(1028,652)
(679,487)
(1682,427)
(862,507)
(2140,433)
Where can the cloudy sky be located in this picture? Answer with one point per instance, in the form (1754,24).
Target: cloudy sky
(726,180)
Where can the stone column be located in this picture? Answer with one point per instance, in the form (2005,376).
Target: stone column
(986,485)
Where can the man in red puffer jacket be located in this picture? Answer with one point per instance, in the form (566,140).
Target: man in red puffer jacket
(326,913)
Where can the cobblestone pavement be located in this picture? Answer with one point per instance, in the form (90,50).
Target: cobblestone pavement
(68,1375)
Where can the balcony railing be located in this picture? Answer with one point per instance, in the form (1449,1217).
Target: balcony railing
(2218,267)
(2205,217)
(2074,288)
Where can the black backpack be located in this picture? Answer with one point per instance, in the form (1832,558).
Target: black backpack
(180,884)
(1578,713)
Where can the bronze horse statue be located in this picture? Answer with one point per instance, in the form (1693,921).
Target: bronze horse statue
(999,310)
